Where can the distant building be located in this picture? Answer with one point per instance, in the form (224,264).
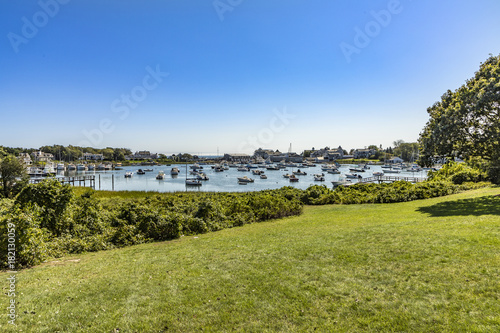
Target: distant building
(40,156)
(143,155)
(92,157)
(237,157)
(328,154)
(363,153)
(25,158)
(396,160)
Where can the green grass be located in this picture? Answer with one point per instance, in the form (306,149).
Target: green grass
(427,266)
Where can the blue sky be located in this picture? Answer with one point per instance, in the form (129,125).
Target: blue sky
(196,76)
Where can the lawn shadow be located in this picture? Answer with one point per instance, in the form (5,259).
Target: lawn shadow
(488,205)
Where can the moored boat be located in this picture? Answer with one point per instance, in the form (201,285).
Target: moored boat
(245,179)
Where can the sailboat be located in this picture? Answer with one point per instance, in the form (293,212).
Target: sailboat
(192,181)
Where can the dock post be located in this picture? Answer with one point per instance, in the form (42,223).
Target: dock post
(99,182)
(112,182)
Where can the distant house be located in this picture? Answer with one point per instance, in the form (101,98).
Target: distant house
(92,157)
(363,153)
(396,160)
(25,158)
(237,157)
(329,154)
(143,155)
(40,156)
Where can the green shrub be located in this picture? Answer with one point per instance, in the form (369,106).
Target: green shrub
(21,226)
(53,198)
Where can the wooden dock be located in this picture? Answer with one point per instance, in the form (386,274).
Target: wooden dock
(74,181)
(381,179)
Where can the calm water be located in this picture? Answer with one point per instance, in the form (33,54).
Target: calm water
(219,181)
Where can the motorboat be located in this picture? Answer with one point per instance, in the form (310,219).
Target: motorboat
(160,175)
(263,176)
(299,173)
(245,179)
(91,167)
(174,171)
(128,174)
(141,172)
(81,167)
(201,176)
(356,170)
(293,178)
(319,178)
(392,171)
(61,166)
(148,170)
(193,182)
(257,172)
(71,167)
(243,169)
(287,175)
(353,175)
(378,174)
(272,167)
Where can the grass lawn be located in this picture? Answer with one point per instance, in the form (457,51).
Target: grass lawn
(426,266)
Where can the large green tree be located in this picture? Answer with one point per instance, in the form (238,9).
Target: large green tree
(466,122)
(13,175)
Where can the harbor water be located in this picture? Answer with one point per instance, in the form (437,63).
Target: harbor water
(226,181)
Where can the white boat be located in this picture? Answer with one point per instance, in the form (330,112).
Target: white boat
(378,174)
(319,178)
(174,171)
(202,176)
(257,172)
(91,167)
(334,171)
(287,175)
(141,172)
(392,171)
(263,176)
(193,182)
(293,178)
(128,174)
(71,167)
(243,169)
(352,175)
(245,179)
(61,166)
(160,175)
(101,167)
(272,167)
(81,167)
(299,173)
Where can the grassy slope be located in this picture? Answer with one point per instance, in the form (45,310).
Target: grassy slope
(425,266)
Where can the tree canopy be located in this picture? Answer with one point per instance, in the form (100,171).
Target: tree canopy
(13,175)
(466,122)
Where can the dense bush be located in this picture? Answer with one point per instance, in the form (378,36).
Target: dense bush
(457,173)
(51,221)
